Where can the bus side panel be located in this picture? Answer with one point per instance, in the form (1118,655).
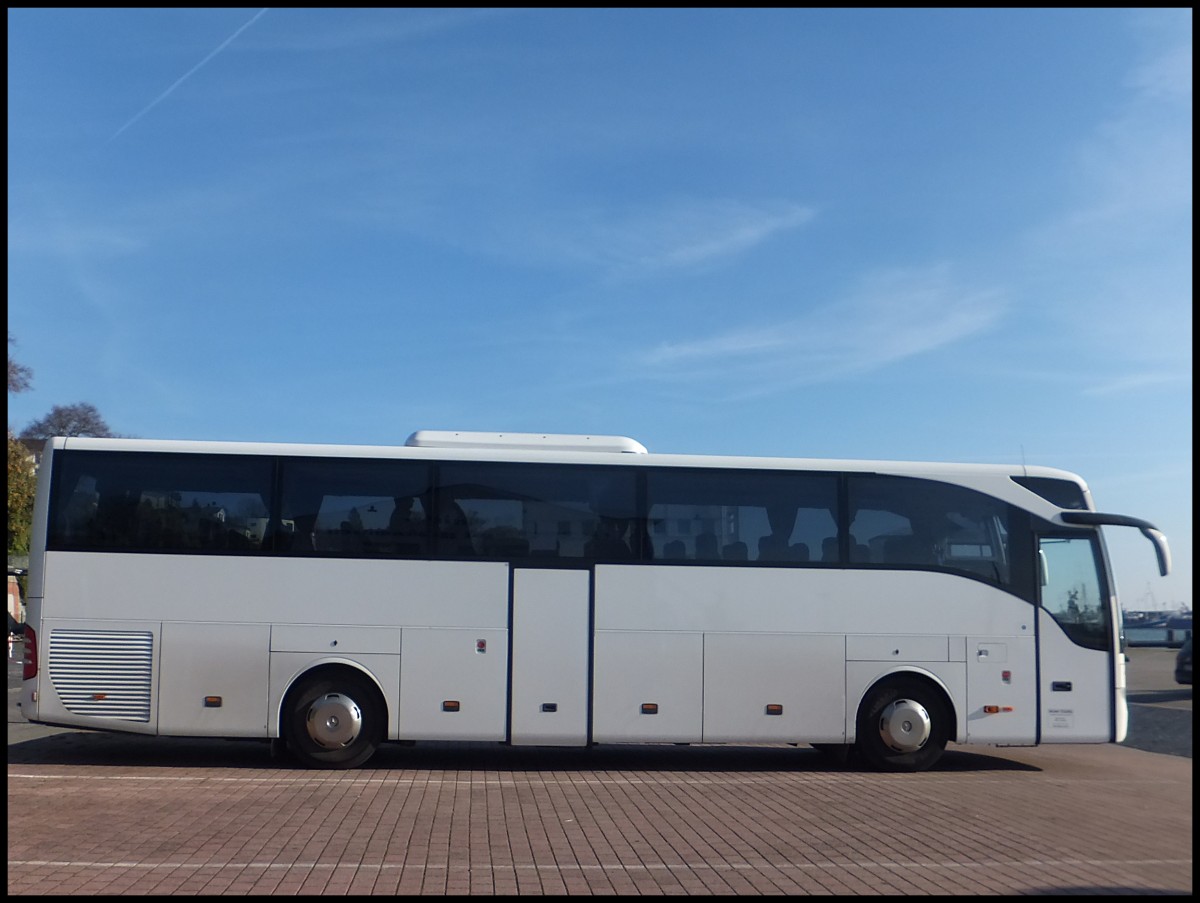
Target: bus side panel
(648,687)
(804,600)
(774,688)
(276,590)
(1002,674)
(453,684)
(201,661)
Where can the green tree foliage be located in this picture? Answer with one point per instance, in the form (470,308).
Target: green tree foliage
(21,480)
(21,484)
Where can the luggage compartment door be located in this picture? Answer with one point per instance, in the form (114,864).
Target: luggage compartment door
(551,657)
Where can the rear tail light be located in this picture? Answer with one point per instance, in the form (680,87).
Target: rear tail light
(29,666)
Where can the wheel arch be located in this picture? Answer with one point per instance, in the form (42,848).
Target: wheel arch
(902,673)
(327,667)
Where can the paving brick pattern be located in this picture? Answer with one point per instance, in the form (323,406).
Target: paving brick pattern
(144,816)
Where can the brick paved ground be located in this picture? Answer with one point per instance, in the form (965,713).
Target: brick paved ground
(92,813)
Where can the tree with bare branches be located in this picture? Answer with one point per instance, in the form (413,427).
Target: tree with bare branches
(80,419)
(19,376)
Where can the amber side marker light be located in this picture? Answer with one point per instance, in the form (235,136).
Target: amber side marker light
(450,705)
(649,708)
(995,709)
(774,709)
(212,702)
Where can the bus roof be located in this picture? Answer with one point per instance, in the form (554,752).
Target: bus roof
(431,445)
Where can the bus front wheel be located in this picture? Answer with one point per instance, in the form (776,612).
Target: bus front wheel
(903,725)
(334,721)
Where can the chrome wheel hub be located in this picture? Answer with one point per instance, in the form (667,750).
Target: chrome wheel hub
(905,725)
(334,721)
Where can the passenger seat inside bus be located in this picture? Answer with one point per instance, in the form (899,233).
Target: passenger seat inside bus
(735,551)
(773,547)
(706,547)
(300,537)
(454,534)
(675,550)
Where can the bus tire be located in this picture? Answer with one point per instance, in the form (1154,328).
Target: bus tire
(334,720)
(903,725)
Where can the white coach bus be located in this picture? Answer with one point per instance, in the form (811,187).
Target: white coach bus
(566,591)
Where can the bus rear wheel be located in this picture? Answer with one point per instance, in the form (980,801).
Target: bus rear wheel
(334,721)
(903,725)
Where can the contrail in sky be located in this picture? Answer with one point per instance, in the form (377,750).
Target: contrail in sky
(167,93)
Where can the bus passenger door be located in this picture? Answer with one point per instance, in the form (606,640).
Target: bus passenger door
(551,618)
(1075,643)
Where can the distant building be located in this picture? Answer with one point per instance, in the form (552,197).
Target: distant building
(34,448)
(16,605)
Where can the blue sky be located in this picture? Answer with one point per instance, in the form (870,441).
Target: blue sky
(940,235)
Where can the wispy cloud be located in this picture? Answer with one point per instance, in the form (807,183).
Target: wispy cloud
(1124,242)
(63,239)
(619,242)
(891,317)
(1135,169)
(1134,382)
(179,81)
(672,236)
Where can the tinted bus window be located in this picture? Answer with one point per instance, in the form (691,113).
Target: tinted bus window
(907,522)
(740,516)
(340,506)
(116,501)
(522,511)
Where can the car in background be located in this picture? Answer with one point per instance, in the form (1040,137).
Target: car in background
(1183,663)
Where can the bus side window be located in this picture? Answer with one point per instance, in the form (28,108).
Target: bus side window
(913,522)
(520,511)
(774,518)
(354,507)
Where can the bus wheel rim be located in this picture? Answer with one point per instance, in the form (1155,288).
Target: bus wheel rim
(905,725)
(334,721)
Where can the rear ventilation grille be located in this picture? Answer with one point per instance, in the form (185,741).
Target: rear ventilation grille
(104,673)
